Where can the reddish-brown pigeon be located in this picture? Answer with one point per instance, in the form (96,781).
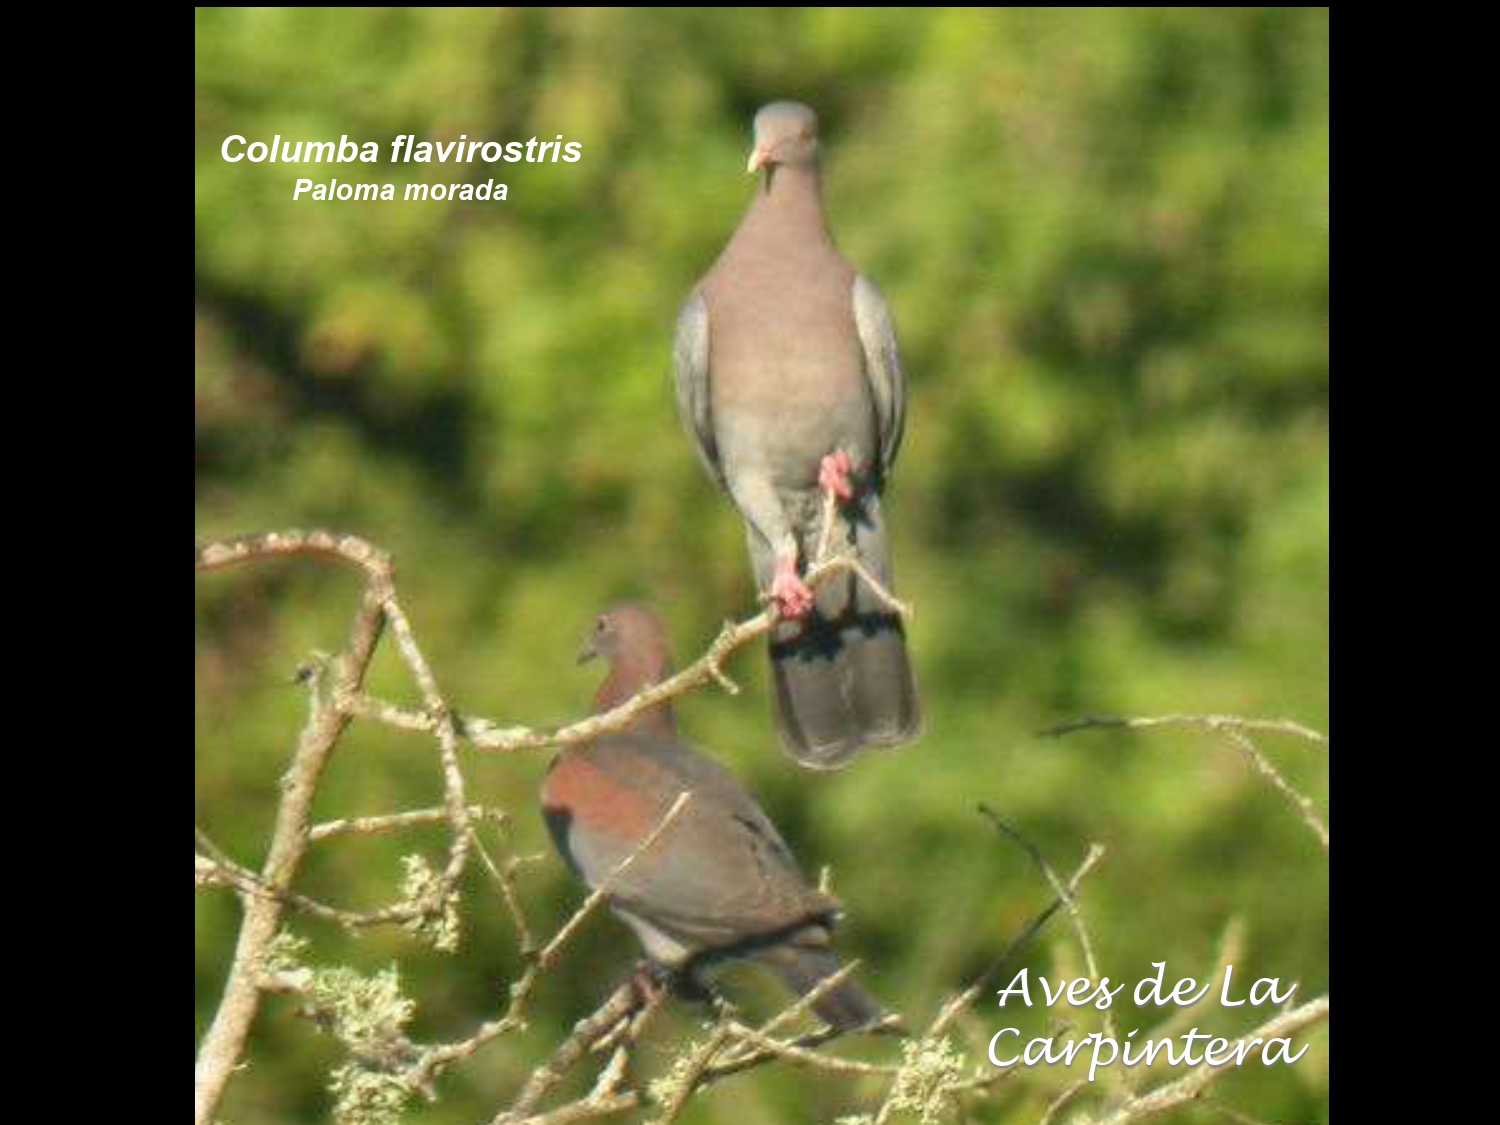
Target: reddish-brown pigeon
(790,384)
(719,882)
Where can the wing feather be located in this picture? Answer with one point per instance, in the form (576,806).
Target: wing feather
(690,359)
(877,338)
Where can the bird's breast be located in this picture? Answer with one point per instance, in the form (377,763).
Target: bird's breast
(595,801)
(786,370)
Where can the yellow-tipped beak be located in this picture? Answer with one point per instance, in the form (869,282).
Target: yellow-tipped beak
(758,160)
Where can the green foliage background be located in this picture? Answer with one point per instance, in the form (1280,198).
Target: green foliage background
(1104,234)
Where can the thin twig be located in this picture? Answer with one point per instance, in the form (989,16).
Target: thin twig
(1262,765)
(793,1053)
(394,822)
(619,1008)
(738,1063)
(826,525)
(1062,1099)
(210,870)
(1064,892)
(689,1072)
(805,1002)
(446,729)
(602,892)
(1189,1086)
(1215,722)
(1234,729)
(505,879)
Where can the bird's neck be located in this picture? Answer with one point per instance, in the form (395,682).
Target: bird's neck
(789,204)
(627,678)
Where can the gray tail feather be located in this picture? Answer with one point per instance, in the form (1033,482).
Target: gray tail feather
(847,1007)
(842,683)
(841,677)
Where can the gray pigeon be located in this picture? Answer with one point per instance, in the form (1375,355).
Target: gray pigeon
(721,882)
(790,384)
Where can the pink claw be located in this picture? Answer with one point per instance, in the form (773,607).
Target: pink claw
(833,474)
(794,598)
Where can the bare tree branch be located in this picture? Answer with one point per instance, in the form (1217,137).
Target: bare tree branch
(1235,730)
(224,1042)
(396,822)
(620,1008)
(689,1070)
(1212,722)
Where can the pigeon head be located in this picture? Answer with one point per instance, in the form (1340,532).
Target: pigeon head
(626,633)
(786,133)
(631,640)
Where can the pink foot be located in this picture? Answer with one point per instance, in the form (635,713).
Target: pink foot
(650,982)
(794,598)
(833,474)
